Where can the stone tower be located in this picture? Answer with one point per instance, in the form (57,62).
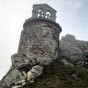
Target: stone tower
(40,35)
(39,46)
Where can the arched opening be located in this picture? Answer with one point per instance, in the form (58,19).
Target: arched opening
(40,13)
(48,15)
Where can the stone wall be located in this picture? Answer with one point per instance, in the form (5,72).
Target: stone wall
(40,40)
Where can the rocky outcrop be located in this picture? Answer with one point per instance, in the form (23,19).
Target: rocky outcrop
(22,71)
(19,61)
(13,76)
(73,50)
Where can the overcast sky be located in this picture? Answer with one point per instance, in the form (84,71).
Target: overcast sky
(72,15)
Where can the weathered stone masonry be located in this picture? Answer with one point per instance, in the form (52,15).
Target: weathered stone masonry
(40,40)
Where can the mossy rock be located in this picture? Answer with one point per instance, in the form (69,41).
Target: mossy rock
(57,75)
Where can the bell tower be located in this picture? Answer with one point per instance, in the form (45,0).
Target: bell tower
(44,11)
(38,46)
(40,35)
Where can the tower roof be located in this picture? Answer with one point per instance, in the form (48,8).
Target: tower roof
(44,5)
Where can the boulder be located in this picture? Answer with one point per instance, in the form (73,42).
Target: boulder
(13,76)
(34,72)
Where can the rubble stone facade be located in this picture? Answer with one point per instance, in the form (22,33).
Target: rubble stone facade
(40,40)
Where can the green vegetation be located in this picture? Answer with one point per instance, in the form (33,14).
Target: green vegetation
(59,76)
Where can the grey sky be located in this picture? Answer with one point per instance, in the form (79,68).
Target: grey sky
(72,15)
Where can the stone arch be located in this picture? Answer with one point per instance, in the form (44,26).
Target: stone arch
(48,15)
(40,13)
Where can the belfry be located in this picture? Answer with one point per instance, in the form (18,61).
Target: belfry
(44,11)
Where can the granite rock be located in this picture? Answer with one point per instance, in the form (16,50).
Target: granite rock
(73,49)
(12,76)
